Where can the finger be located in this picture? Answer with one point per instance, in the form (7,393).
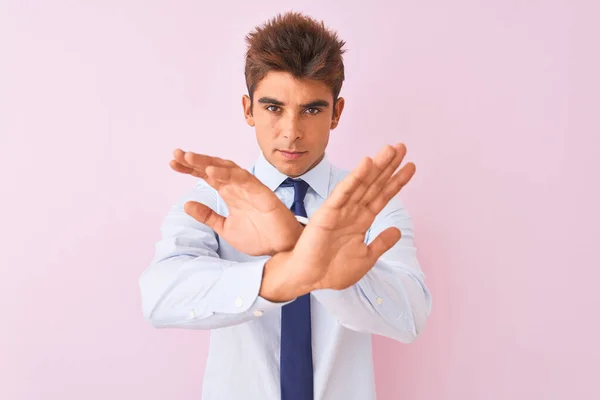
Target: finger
(174,164)
(179,156)
(392,187)
(204,214)
(383,242)
(380,162)
(384,176)
(228,175)
(219,174)
(179,164)
(344,190)
(198,162)
(203,161)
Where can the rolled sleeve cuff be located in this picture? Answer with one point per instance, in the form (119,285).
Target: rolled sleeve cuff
(239,289)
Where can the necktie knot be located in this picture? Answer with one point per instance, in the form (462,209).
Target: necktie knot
(300,188)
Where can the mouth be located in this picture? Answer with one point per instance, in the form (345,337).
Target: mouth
(291,155)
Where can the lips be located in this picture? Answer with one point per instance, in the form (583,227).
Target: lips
(292,155)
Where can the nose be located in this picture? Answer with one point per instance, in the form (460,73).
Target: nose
(291,128)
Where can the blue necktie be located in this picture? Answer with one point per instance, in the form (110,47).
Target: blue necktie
(296,364)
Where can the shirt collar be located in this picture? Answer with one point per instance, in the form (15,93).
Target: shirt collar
(317,177)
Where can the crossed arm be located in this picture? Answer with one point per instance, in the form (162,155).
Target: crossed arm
(356,256)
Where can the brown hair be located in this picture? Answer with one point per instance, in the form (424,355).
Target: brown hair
(297,44)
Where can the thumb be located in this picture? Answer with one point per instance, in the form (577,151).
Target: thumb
(204,214)
(383,242)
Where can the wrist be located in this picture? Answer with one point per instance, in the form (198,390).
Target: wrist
(294,236)
(279,283)
(300,224)
(288,239)
(299,231)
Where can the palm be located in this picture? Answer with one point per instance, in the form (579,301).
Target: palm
(335,238)
(257,212)
(258,222)
(332,253)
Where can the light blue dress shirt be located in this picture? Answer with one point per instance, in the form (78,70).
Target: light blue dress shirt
(198,281)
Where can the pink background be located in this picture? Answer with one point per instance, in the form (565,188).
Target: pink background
(497,101)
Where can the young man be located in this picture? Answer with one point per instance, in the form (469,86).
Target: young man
(294,263)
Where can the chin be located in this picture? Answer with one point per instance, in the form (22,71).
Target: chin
(291,170)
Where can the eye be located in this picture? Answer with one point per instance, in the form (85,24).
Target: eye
(313,111)
(272,108)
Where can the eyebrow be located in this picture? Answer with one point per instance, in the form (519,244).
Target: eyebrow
(315,103)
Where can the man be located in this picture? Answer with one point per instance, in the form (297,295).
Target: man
(294,263)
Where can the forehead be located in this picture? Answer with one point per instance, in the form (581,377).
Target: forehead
(285,87)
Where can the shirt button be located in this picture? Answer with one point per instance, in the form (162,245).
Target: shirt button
(379,300)
(239,302)
(258,313)
(192,314)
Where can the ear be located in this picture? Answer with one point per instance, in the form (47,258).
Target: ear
(337,112)
(247,106)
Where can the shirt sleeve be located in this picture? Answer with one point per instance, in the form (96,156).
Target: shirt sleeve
(391,299)
(187,284)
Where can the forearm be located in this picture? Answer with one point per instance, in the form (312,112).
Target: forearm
(188,285)
(392,299)
(201,293)
(394,305)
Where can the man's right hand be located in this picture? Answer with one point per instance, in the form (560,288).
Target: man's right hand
(258,222)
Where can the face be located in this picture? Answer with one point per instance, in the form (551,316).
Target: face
(292,118)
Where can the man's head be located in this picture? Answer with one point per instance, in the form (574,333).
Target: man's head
(294,74)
